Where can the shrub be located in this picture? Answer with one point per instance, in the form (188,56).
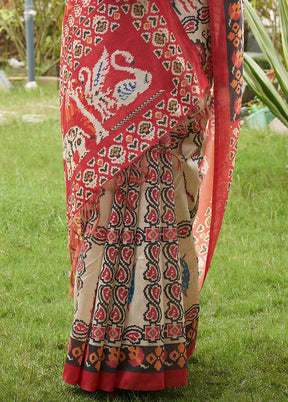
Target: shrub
(47,30)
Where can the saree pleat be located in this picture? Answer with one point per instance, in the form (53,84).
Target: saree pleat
(147,179)
(136,290)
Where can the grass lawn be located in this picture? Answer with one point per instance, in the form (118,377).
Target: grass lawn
(242,349)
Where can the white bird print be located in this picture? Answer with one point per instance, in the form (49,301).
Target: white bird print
(91,90)
(94,83)
(93,95)
(126,91)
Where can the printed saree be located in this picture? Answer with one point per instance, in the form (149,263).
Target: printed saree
(150,105)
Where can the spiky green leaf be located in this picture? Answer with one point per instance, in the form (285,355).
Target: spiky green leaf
(264,89)
(283,11)
(267,46)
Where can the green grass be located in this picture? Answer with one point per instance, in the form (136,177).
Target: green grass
(242,344)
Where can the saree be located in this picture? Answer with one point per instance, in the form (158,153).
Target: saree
(150,107)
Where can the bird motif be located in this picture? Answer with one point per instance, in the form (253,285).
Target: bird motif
(126,91)
(94,83)
(92,91)
(92,94)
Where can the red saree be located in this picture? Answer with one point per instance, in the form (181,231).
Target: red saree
(150,105)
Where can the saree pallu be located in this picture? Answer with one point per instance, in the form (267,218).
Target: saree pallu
(150,106)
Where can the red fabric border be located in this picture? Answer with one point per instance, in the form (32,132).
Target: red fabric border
(124,380)
(223,126)
(127,380)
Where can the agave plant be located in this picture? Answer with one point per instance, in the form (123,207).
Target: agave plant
(256,78)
